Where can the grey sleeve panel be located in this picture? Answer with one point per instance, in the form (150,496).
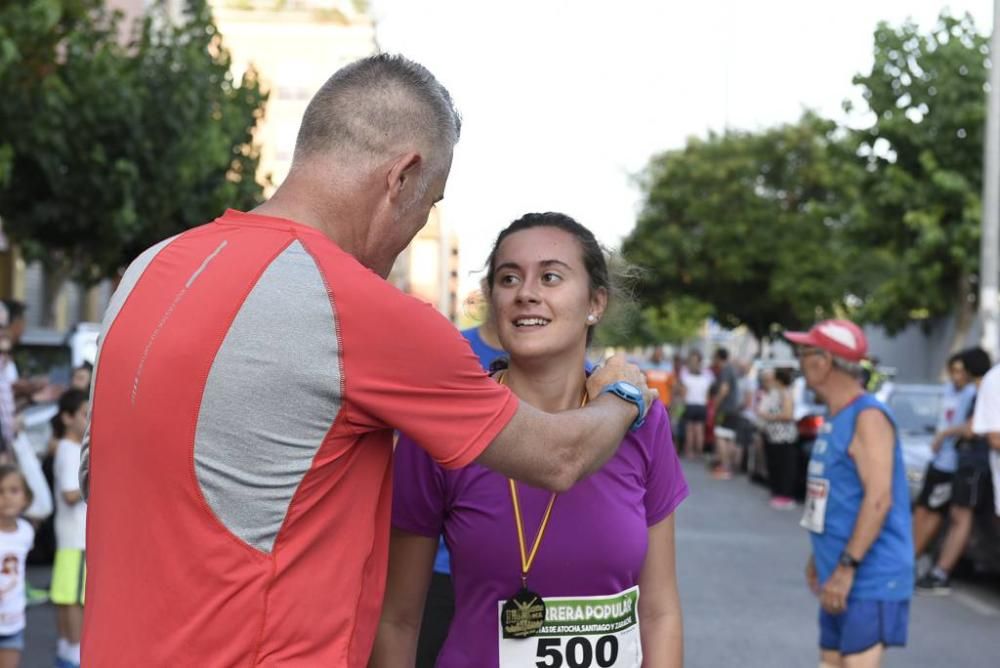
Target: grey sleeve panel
(272,394)
(125,287)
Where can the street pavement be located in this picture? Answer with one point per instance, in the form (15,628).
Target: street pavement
(741,572)
(746,605)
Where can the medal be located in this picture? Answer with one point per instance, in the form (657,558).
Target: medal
(523,614)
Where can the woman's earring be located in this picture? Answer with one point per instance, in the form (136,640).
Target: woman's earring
(591,318)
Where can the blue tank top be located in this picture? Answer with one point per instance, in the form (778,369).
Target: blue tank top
(886,571)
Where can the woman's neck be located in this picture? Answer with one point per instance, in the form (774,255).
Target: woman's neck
(73,438)
(550,386)
(8,524)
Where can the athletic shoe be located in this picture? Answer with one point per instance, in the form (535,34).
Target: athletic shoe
(722,474)
(782,503)
(934,584)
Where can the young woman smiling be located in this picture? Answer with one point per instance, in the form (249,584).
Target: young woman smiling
(584,578)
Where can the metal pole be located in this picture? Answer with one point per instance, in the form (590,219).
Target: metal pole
(989,274)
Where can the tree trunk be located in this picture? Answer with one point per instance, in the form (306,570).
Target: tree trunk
(55,279)
(965,316)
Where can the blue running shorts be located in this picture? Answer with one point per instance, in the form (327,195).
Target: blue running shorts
(863,625)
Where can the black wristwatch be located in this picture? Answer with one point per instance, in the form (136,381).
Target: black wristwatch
(847,561)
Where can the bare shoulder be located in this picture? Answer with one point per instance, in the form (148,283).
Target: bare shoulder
(873,429)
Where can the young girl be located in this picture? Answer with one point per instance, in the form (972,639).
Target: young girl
(16,539)
(68,572)
(600,556)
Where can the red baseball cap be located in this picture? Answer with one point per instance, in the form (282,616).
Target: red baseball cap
(841,338)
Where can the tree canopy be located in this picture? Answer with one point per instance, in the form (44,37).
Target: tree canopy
(748,223)
(786,225)
(114,138)
(923,154)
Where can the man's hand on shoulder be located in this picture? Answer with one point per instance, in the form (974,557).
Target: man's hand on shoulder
(615,369)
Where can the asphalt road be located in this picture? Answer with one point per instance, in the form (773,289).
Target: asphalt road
(741,577)
(740,568)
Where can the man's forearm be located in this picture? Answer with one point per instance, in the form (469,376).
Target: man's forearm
(871,517)
(555,450)
(606,422)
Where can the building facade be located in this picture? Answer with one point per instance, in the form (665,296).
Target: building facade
(294,46)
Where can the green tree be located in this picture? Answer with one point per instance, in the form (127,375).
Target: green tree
(750,224)
(628,323)
(923,153)
(115,142)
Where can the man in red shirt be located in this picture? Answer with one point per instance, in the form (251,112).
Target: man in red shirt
(250,375)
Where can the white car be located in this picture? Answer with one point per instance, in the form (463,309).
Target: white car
(916,409)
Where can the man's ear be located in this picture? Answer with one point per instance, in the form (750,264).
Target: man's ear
(401,177)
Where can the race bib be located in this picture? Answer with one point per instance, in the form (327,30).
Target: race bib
(591,632)
(817,493)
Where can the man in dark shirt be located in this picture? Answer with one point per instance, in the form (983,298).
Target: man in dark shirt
(728,419)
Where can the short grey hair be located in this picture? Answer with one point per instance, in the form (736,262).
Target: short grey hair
(851,368)
(374,104)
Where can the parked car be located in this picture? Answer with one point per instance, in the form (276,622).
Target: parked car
(916,409)
(54,354)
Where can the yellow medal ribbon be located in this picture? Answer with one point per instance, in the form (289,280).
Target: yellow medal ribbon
(528,558)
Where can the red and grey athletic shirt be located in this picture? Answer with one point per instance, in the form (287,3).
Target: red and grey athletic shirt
(249,378)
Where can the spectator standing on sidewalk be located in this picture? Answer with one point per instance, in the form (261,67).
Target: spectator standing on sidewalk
(69,571)
(986,423)
(780,437)
(695,381)
(660,375)
(857,506)
(8,405)
(728,419)
(16,538)
(972,489)
(934,499)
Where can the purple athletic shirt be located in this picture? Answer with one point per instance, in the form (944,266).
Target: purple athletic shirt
(595,543)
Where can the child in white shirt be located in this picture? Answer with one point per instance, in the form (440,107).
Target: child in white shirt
(69,570)
(16,538)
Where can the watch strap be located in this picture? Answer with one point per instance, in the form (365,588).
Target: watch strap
(630,396)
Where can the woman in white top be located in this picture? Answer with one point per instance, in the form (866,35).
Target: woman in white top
(695,383)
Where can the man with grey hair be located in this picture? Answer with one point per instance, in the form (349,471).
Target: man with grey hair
(857,506)
(250,376)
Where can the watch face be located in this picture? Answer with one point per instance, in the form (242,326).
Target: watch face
(629,387)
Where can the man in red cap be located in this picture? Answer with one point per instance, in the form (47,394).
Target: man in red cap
(857,506)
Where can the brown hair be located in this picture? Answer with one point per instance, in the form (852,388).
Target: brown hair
(10,469)
(594,258)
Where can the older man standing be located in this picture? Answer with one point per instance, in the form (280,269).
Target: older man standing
(250,375)
(857,506)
